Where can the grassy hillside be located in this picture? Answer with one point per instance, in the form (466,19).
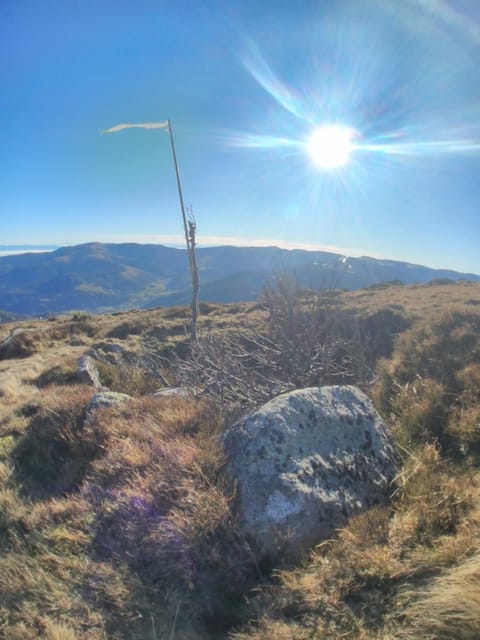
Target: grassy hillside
(124,527)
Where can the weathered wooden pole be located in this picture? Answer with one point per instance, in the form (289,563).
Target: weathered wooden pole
(190,229)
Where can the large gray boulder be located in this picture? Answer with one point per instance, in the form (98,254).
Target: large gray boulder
(305,462)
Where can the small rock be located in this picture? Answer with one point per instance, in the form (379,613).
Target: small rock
(172,392)
(101,400)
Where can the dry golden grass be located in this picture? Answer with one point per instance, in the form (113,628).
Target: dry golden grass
(117,523)
(58,631)
(420,300)
(62,340)
(447,607)
(125,529)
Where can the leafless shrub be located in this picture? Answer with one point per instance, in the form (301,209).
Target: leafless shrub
(315,341)
(229,369)
(306,341)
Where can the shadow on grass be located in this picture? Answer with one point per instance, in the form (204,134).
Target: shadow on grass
(210,572)
(53,455)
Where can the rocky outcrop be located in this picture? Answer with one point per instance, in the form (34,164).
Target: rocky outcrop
(88,372)
(305,462)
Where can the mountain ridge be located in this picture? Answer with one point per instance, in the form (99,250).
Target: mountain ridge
(99,277)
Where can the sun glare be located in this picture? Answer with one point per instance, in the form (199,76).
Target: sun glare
(330,146)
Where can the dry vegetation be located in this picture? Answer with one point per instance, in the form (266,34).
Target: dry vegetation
(123,527)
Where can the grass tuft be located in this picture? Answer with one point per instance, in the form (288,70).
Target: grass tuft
(55,450)
(448,607)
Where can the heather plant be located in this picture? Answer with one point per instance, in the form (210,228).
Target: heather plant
(464,430)
(21,343)
(125,329)
(464,419)
(426,388)
(80,326)
(59,375)
(127,378)
(53,453)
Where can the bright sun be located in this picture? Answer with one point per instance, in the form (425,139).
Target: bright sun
(330,146)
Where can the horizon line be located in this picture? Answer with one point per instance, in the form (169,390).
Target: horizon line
(177,241)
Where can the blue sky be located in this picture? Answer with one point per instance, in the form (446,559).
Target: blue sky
(245,84)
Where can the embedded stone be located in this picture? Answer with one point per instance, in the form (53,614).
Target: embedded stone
(305,462)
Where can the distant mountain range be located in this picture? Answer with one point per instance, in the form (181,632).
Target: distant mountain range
(12,249)
(99,277)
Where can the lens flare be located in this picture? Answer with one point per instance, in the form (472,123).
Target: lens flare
(384,126)
(330,146)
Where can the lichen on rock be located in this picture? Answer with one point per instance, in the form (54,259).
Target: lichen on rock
(305,462)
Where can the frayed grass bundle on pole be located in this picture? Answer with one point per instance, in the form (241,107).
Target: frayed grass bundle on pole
(189,226)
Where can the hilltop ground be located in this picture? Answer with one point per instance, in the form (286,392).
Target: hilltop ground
(125,528)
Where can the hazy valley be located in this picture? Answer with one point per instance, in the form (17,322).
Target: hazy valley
(99,277)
